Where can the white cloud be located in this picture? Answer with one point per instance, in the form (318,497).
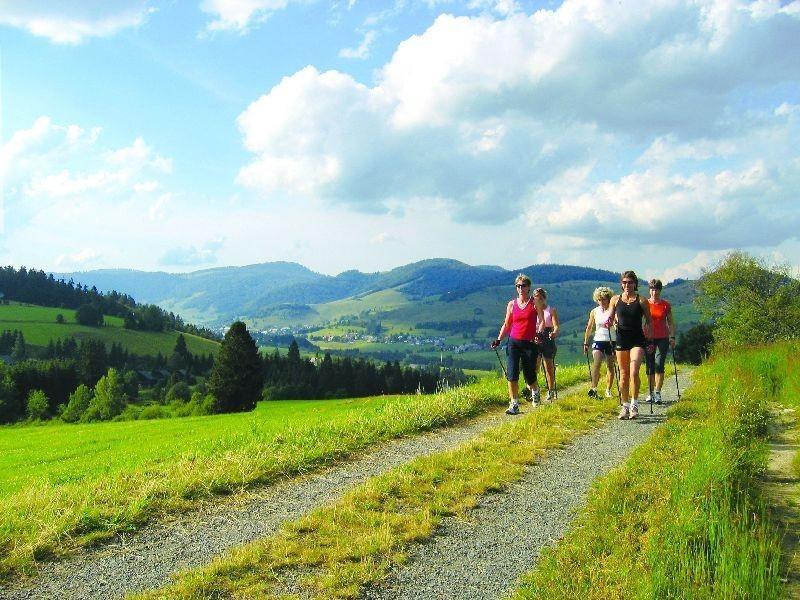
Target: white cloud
(192,255)
(363,49)
(81,258)
(240,15)
(383,238)
(157,211)
(74,22)
(128,166)
(693,268)
(554,116)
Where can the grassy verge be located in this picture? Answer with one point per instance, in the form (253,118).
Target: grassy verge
(685,516)
(86,483)
(336,550)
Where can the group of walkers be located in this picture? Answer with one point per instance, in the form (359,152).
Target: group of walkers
(627,329)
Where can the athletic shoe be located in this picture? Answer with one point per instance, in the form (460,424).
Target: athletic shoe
(526,393)
(658,398)
(649,398)
(608,393)
(535,396)
(592,393)
(634,411)
(513,408)
(623,413)
(551,395)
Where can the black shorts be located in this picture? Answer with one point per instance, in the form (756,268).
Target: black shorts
(626,340)
(657,360)
(607,348)
(547,347)
(521,351)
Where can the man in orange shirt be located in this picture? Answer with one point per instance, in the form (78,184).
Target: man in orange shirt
(663,325)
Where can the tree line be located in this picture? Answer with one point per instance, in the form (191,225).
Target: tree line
(86,381)
(292,376)
(37,287)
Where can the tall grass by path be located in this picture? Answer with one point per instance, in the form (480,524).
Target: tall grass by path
(338,549)
(88,482)
(685,516)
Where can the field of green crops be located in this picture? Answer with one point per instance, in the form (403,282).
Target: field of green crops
(38,325)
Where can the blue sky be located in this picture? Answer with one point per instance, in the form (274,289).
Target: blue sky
(177,136)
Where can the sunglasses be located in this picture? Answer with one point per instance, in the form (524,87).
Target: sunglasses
(521,285)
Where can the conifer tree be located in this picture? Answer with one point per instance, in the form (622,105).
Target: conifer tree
(237,376)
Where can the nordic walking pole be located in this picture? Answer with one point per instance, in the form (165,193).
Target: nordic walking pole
(502,366)
(589,367)
(616,374)
(555,379)
(647,370)
(675,368)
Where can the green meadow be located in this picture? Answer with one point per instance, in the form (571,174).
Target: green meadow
(38,325)
(64,486)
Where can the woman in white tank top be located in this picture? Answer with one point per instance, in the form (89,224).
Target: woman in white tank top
(602,341)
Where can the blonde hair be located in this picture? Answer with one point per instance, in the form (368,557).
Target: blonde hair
(602,292)
(522,278)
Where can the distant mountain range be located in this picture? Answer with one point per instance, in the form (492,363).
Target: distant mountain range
(217,296)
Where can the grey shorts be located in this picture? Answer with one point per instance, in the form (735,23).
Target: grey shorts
(657,360)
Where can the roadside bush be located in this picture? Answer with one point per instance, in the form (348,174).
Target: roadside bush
(153,411)
(109,398)
(130,413)
(37,405)
(77,404)
(179,392)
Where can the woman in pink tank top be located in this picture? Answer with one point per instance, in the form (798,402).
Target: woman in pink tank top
(521,326)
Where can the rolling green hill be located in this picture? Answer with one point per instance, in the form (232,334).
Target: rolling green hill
(38,325)
(418,313)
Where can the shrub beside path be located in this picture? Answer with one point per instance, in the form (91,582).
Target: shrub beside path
(476,558)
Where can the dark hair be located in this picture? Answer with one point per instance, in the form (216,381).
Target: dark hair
(656,284)
(631,275)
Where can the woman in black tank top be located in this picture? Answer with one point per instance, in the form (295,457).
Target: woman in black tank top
(629,309)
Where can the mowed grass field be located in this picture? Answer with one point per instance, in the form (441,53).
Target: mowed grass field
(38,325)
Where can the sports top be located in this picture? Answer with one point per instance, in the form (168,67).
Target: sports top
(658,313)
(523,321)
(629,316)
(601,332)
(548,317)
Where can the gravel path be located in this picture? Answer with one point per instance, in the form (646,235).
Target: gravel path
(502,527)
(484,555)
(147,558)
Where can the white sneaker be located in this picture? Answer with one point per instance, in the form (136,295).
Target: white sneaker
(623,413)
(608,393)
(513,408)
(649,398)
(634,411)
(551,395)
(535,396)
(658,398)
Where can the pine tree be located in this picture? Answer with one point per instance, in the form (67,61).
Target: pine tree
(19,352)
(237,376)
